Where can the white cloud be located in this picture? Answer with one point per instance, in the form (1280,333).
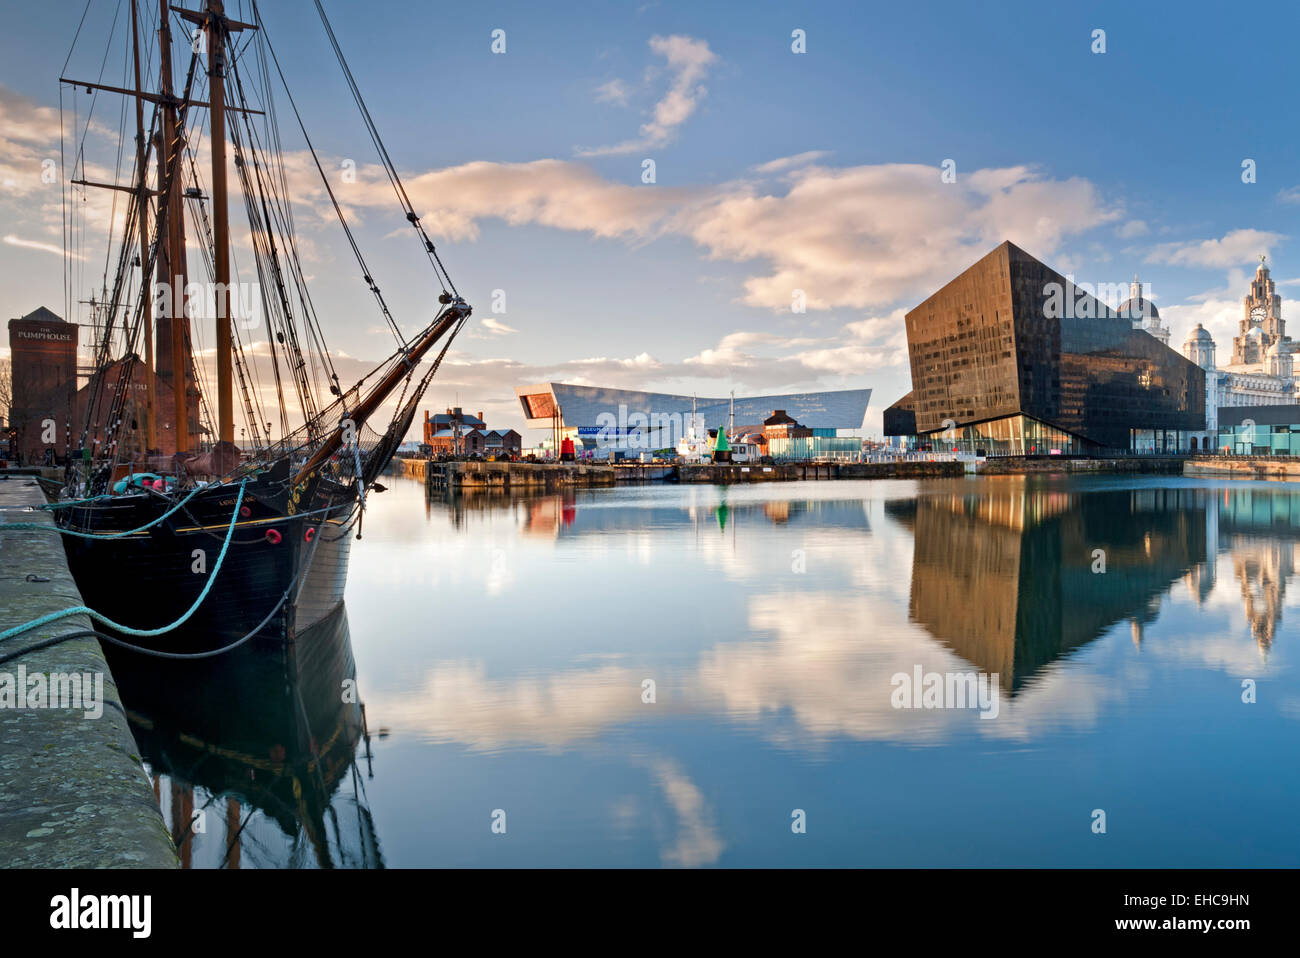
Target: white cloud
(785,163)
(688,61)
(1133,228)
(1233,249)
(615,91)
(496,327)
(858,237)
(1290,194)
(11,240)
(868,236)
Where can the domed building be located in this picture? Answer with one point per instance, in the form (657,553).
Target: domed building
(1143,313)
(1261,372)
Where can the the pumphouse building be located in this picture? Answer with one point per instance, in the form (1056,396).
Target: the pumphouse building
(43,358)
(1011,358)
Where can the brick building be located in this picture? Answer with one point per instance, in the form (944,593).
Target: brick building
(457,433)
(43,357)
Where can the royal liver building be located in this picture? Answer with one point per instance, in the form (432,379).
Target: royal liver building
(1260,373)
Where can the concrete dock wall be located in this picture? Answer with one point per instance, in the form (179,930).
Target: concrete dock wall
(507,475)
(799,471)
(73,792)
(1019,465)
(1243,467)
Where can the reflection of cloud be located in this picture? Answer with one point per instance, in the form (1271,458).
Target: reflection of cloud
(457,702)
(815,658)
(698,842)
(825,674)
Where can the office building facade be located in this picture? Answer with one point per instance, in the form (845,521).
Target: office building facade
(1012,358)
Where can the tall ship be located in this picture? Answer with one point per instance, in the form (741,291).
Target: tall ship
(181,538)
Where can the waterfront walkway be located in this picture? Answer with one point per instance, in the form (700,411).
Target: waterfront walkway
(73,792)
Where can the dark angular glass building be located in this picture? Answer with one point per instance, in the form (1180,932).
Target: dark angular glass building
(1012,358)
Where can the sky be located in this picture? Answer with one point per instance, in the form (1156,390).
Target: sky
(1166,146)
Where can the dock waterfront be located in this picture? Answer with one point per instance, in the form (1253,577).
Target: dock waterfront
(458,474)
(73,791)
(455,475)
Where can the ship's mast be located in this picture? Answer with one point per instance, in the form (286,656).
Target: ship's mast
(175,275)
(220,219)
(142,198)
(213,19)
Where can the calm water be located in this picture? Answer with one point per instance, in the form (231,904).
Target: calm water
(501,649)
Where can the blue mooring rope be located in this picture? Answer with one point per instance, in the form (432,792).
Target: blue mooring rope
(111,535)
(127,630)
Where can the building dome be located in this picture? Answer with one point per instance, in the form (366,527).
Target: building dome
(1275,350)
(1199,334)
(1138,308)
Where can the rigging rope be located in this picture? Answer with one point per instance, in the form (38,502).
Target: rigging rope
(441,272)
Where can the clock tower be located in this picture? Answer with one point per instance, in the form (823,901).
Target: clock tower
(1261,323)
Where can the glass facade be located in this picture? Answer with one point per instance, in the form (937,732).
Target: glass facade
(1260,439)
(1010,436)
(1010,338)
(1260,430)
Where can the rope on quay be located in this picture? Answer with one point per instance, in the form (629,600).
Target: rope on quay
(127,630)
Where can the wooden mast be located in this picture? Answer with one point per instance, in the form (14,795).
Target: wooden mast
(142,200)
(220,218)
(175,240)
(213,19)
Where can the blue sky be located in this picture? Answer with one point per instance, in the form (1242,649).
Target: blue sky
(775,171)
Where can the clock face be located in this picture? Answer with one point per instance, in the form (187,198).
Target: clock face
(1257,314)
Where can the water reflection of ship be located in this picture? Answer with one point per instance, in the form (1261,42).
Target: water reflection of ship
(264,741)
(1006,577)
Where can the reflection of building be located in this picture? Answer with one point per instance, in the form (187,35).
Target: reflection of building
(1260,529)
(1011,357)
(1262,569)
(1009,578)
(632,421)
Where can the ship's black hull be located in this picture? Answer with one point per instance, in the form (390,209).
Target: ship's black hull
(282,571)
